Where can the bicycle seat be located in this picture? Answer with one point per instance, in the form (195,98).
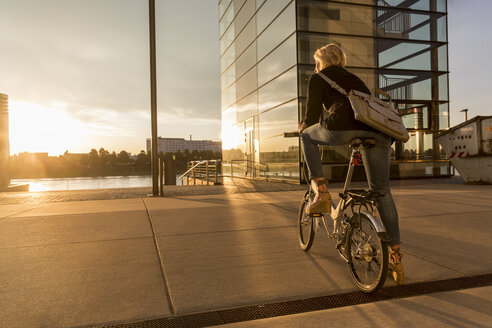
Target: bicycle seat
(366,142)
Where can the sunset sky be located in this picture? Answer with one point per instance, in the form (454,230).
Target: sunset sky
(77,71)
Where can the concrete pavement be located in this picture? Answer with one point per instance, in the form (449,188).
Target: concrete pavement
(84,263)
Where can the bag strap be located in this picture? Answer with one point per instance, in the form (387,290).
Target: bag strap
(333,84)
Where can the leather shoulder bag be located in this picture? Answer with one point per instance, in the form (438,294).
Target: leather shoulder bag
(372,111)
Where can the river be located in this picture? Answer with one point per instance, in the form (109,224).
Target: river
(81,183)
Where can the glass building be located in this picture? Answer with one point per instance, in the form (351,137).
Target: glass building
(267,46)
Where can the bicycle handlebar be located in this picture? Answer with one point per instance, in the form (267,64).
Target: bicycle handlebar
(291,134)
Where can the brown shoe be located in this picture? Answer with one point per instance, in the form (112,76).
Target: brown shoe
(322,200)
(395,266)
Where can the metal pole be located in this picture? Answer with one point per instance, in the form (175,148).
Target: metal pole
(153,101)
(161,176)
(466,113)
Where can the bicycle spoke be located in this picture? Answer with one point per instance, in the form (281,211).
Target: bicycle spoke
(366,252)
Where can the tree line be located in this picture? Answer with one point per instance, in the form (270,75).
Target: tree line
(96,163)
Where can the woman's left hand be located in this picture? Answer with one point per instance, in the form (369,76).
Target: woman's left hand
(301,127)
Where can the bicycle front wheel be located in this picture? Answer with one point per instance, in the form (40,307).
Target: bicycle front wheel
(367,254)
(305,225)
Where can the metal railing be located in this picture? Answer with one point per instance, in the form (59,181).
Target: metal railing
(248,168)
(209,171)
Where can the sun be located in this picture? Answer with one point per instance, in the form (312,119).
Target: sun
(36,128)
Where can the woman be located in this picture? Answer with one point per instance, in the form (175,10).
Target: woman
(338,129)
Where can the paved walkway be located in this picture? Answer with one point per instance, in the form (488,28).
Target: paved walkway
(95,262)
(236,185)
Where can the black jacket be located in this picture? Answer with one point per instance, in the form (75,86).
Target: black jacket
(340,115)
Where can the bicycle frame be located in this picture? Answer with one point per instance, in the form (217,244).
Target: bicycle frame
(344,202)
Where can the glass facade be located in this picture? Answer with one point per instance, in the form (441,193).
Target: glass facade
(267,47)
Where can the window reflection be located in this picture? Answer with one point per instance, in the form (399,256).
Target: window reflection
(245,37)
(443,58)
(246,60)
(443,87)
(280,90)
(268,12)
(278,61)
(359,51)
(415,116)
(442,29)
(277,32)
(228,77)
(226,20)
(227,39)
(419,147)
(393,52)
(417,87)
(336,18)
(246,12)
(441,5)
(246,84)
(247,107)
(279,153)
(444,116)
(229,134)
(227,59)
(223,6)
(228,97)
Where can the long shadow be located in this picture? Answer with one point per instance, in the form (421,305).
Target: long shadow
(446,318)
(475,303)
(446,251)
(322,270)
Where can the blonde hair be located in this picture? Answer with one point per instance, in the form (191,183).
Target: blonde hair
(330,55)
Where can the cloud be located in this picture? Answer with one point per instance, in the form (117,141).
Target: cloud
(93,56)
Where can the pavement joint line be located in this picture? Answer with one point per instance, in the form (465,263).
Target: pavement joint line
(225,231)
(159,255)
(64,215)
(306,305)
(439,264)
(443,200)
(290,210)
(441,214)
(213,201)
(76,242)
(10,216)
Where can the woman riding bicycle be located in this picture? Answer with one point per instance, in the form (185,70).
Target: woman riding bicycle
(339,128)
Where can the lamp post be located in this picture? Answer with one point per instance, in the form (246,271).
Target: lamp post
(153,101)
(466,113)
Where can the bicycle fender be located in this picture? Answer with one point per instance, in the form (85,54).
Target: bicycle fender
(378,224)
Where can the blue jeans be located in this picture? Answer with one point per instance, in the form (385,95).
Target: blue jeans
(376,164)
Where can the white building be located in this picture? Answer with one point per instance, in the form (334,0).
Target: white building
(171,145)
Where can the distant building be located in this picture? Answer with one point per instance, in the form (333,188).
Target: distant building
(34,156)
(172,145)
(4,140)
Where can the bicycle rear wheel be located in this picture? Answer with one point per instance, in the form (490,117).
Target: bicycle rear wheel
(305,225)
(367,254)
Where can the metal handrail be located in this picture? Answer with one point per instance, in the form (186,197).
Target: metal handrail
(182,175)
(208,170)
(247,162)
